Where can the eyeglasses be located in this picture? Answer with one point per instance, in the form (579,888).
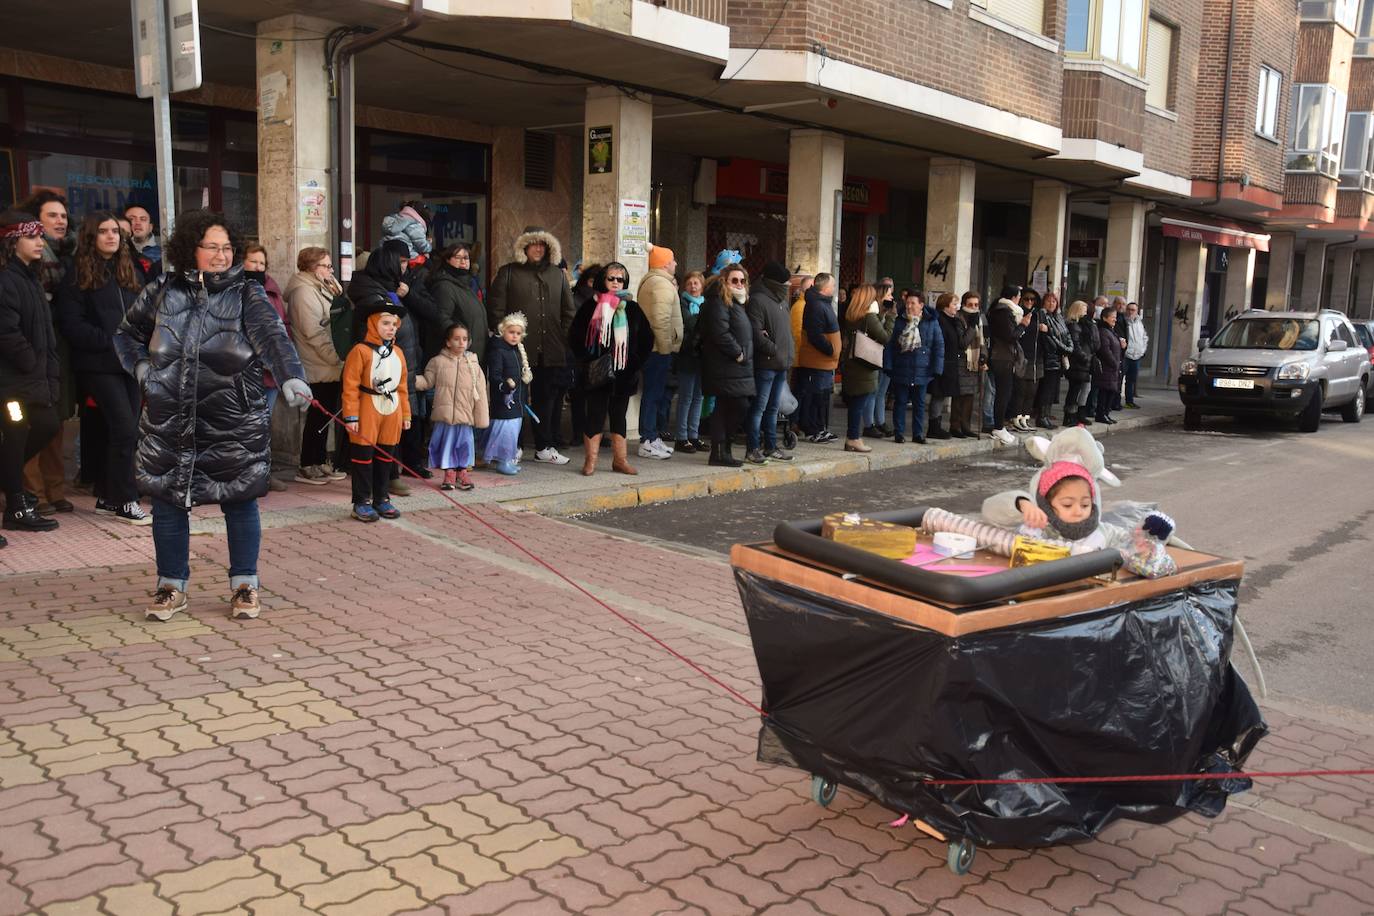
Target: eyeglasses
(217,249)
(620,280)
(737,281)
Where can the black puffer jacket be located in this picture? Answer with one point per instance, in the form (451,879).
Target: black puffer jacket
(1083,334)
(771,316)
(89,318)
(725,334)
(204,434)
(29,366)
(455,295)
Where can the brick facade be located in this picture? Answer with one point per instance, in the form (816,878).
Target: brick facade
(1098,106)
(1265,35)
(1167,143)
(918,41)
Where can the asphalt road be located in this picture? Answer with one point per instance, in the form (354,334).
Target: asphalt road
(1295,507)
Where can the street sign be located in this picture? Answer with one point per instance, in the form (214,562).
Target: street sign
(180,48)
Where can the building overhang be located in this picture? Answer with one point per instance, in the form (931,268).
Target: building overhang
(1105,155)
(1161,182)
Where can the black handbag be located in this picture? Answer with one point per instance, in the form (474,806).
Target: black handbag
(601,371)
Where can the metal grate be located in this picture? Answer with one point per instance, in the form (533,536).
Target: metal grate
(714,10)
(539,160)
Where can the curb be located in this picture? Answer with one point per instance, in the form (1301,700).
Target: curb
(629,495)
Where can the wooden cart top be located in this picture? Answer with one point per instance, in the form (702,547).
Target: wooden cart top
(771,562)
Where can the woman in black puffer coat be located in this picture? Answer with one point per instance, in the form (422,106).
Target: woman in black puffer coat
(727,358)
(1083,342)
(1107,372)
(197,341)
(103,281)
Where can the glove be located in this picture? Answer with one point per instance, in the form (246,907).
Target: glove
(297,394)
(141,371)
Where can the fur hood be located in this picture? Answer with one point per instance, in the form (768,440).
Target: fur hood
(534,234)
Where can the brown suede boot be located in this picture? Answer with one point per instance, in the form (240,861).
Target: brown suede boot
(618,450)
(592,446)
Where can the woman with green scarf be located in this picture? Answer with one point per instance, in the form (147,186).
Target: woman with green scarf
(611,338)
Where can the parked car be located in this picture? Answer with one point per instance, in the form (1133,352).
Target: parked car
(1364,332)
(1287,365)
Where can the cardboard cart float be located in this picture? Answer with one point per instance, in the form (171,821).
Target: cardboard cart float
(888,677)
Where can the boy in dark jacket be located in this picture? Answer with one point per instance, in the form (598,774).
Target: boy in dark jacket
(29,370)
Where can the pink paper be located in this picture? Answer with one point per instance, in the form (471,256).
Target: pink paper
(925,557)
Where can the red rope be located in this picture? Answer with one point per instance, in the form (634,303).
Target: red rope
(518,546)
(1165,777)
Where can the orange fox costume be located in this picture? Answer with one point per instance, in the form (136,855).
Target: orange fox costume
(374,389)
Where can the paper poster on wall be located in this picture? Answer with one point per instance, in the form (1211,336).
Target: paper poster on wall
(599,149)
(634,228)
(310,205)
(1040,281)
(271,87)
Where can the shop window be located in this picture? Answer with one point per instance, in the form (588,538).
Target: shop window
(1318,126)
(424,157)
(241,135)
(1025,14)
(239,200)
(1364,30)
(66,113)
(1267,104)
(1159,64)
(1341,12)
(93,183)
(539,160)
(1111,30)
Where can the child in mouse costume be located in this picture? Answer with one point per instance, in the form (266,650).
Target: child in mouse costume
(1064,503)
(376,407)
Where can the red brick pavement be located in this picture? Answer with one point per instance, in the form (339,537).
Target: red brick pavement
(418,722)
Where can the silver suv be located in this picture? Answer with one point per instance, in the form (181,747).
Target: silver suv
(1289,365)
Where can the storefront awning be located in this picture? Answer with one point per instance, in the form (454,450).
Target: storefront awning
(1214,235)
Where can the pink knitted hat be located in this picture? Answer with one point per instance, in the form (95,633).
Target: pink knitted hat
(1062,470)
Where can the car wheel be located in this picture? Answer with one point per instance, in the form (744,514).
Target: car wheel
(1311,417)
(1192,419)
(1354,411)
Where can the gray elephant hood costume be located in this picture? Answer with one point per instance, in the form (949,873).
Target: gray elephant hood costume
(204,436)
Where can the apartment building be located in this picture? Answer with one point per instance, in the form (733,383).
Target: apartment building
(1199,156)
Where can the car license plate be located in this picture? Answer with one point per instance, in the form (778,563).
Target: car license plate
(1233,383)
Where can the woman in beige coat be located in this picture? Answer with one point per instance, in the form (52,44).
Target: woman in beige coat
(309,294)
(460,406)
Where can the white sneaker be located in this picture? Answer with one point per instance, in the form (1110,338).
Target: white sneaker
(664,444)
(1004,437)
(550,455)
(653,449)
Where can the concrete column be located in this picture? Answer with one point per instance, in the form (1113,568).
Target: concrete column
(1125,247)
(815,171)
(1313,273)
(295,202)
(1364,287)
(1280,271)
(1240,281)
(1342,279)
(295,209)
(606,235)
(1190,286)
(949,226)
(1049,212)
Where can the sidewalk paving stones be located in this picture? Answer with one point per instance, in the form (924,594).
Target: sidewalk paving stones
(426,720)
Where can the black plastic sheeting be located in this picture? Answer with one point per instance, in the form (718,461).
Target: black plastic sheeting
(879,705)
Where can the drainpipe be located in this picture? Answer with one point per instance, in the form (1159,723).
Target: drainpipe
(343,140)
(1226,101)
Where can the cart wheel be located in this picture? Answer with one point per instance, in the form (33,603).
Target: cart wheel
(823,791)
(960,857)
(789,439)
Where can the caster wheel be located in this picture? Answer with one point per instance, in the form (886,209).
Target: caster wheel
(823,791)
(960,857)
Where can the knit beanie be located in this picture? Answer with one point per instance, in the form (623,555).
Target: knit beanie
(776,272)
(660,256)
(1064,470)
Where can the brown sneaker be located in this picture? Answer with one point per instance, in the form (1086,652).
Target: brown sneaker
(244,605)
(167,601)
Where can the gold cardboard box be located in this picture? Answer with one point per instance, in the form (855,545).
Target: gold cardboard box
(896,542)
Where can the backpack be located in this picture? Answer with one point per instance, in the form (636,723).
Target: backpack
(341,324)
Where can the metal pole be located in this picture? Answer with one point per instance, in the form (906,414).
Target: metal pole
(162,128)
(838,221)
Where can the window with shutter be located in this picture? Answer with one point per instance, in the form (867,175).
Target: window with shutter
(1159,53)
(1028,14)
(539,156)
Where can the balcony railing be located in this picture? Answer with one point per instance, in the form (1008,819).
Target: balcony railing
(713,10)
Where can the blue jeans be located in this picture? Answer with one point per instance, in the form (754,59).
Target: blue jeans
(877,414)
(763,409)
(859,405)
(688,405)
(656,369)
(916,395)
(813,399)
(1132,377)
(172,542)
(989,396)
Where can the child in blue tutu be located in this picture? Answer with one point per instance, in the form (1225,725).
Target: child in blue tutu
(460,406)
(508,378)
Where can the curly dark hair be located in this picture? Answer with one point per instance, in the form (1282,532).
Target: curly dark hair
(191,227)
(92,270)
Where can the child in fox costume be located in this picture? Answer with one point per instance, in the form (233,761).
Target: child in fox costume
(376,408)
